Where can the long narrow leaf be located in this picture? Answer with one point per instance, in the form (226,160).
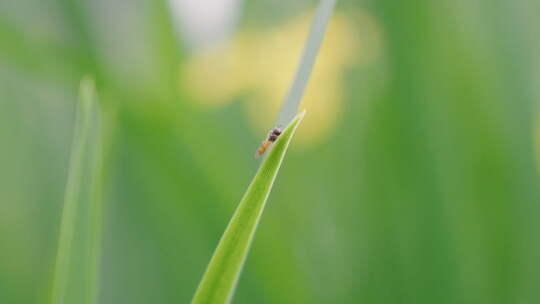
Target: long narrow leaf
(85,153)
(219,281)
(95,222)
(290,105)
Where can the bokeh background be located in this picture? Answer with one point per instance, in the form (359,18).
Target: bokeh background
(414,178)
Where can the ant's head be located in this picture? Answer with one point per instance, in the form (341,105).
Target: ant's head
(276,131)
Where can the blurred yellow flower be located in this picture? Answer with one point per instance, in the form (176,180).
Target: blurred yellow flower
(262,64)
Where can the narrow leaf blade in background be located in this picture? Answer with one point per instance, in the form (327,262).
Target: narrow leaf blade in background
(290,105)
(84,173)
(95,216)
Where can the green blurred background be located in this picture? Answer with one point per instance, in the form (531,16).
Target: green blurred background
(413,179)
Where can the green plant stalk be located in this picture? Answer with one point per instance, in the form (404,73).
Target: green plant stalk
(220,279)
(103,143)
(82,137)
(95,224)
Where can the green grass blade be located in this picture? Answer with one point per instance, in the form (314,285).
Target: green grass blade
(95,222)
(84,155)
(219,281)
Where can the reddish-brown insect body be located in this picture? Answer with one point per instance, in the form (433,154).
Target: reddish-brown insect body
(272,137)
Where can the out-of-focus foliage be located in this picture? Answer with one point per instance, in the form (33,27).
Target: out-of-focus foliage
(429,192)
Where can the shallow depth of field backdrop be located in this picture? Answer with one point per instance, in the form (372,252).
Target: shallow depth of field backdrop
(413,179)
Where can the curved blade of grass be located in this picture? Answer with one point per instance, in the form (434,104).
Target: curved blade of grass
(84,155)
(219,281)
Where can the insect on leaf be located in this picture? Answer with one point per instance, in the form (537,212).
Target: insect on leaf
(221,276)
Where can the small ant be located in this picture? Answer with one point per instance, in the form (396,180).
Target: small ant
(272,137)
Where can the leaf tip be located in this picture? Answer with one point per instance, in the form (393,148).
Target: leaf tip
(298,118)
(87,90)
